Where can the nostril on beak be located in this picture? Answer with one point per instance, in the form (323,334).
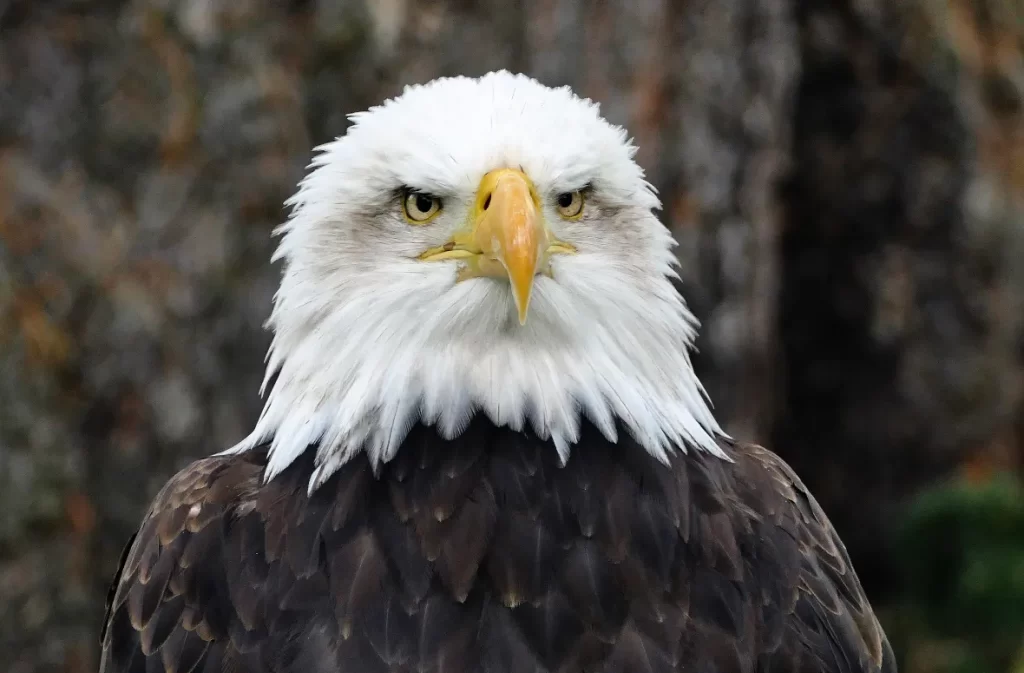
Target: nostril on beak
(487,202)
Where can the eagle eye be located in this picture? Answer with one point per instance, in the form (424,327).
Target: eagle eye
(419,207)
(570,204)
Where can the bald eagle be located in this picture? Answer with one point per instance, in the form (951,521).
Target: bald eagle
(484,447)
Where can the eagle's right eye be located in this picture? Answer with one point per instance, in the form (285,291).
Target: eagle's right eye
(419,207)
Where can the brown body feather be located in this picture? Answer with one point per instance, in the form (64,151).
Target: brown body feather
(483,554)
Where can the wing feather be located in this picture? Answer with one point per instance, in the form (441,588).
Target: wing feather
(804,577)
(226,575)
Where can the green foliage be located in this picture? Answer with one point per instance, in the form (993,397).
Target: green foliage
(962,605)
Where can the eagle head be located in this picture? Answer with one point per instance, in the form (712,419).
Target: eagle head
(477,245)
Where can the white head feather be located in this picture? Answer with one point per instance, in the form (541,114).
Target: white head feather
(369,340)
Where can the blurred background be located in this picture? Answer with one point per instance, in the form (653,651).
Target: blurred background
(844,177)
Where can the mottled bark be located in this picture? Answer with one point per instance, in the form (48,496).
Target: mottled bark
(901,279)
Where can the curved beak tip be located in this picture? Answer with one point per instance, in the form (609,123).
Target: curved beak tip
(522,308)
(521,274)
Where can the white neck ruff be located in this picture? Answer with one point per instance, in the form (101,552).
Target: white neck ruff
(358,377)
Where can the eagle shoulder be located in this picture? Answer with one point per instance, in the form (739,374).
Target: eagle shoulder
(812,611)
(217,578)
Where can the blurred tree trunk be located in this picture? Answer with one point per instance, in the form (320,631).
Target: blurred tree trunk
(901,287)
(845,192)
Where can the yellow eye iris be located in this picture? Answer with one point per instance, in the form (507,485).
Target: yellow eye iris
(570,204)
(420,208)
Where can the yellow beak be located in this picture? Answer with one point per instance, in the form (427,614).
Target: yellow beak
(506,237)
(508,230)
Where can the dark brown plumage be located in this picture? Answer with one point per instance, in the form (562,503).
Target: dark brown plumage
(483,554)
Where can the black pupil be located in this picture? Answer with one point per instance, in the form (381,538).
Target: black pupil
(424,203)
(565,200)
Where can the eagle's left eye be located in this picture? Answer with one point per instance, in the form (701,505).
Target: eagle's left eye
(420,208)
(570,204)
